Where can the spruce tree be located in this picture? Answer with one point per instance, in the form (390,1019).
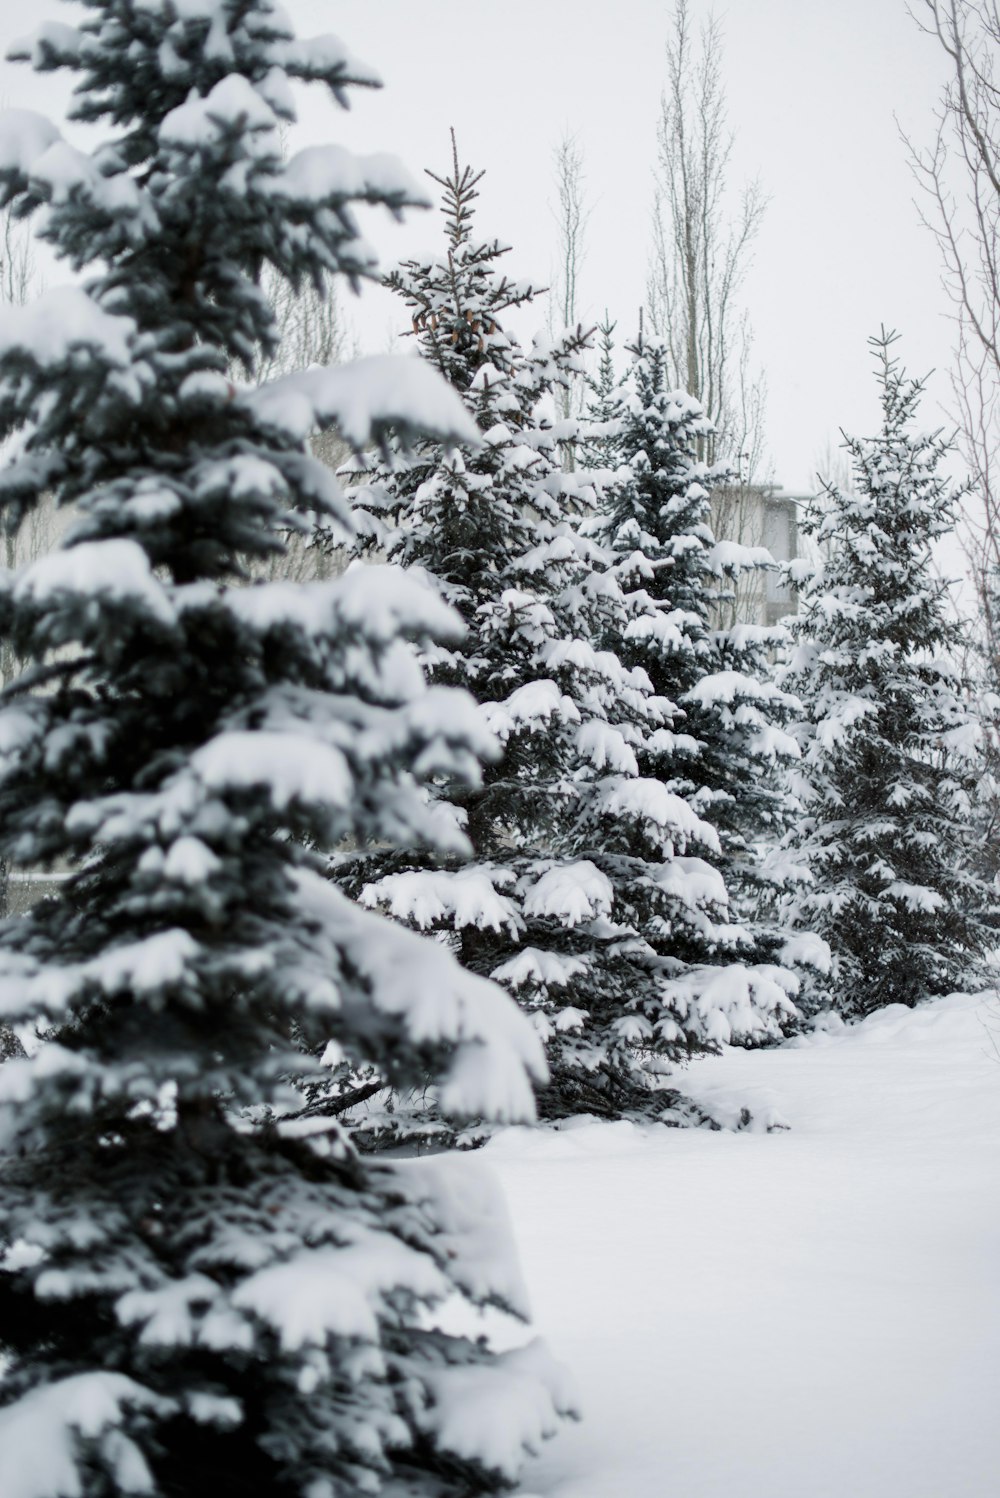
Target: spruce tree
(599,434)
(722,678)
(581,859)
(200,1293)
(889,739)
(729,740)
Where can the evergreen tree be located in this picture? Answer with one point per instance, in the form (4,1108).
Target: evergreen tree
(200,1294)
(889,740)
(599,436)
(723,759)
(581,860)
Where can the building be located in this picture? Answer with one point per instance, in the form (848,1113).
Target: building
(759,516)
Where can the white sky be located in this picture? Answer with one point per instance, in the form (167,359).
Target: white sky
(812,86)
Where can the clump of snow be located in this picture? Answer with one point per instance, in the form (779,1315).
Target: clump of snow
(806,949)
(145,967)
(319,1292)
(288,766)
(532,965)
(915,896)
(330,172)
(496,1412)
(651,801)
(165,1314)
(190,862)
(24,136)
(41,1455)
(61,319)
(737,1001)
(198,120)
(327,54)
(570,893)
(532,706)
(607,748)
(428,897)
(731,557)
(363,400)
(116,569)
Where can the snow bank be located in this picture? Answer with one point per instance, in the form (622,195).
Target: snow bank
(804,1314)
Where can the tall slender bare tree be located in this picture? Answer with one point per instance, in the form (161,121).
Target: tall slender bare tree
(702,240)
(312,332)
(572,213)
(702,245)
(17,261)
(959,177)
(17,285)
(959,174)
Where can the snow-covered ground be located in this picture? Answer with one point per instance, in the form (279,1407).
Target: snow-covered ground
(803,1314)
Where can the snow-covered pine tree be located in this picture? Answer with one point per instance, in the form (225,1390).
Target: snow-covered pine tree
(199,1293)
(729,741)
(890,742)
(599,427)
(580,860)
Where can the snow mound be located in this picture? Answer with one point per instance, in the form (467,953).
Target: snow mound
(842,1272)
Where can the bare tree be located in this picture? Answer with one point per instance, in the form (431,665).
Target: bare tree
(35,532)
(311,331)
(571,213)
(739,506)
(37,529)
(959,174)
(702,239)
(17,261)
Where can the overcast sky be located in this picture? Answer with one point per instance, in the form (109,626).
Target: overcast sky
(814,89)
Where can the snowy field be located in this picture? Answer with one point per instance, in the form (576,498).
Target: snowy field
(803,1314)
